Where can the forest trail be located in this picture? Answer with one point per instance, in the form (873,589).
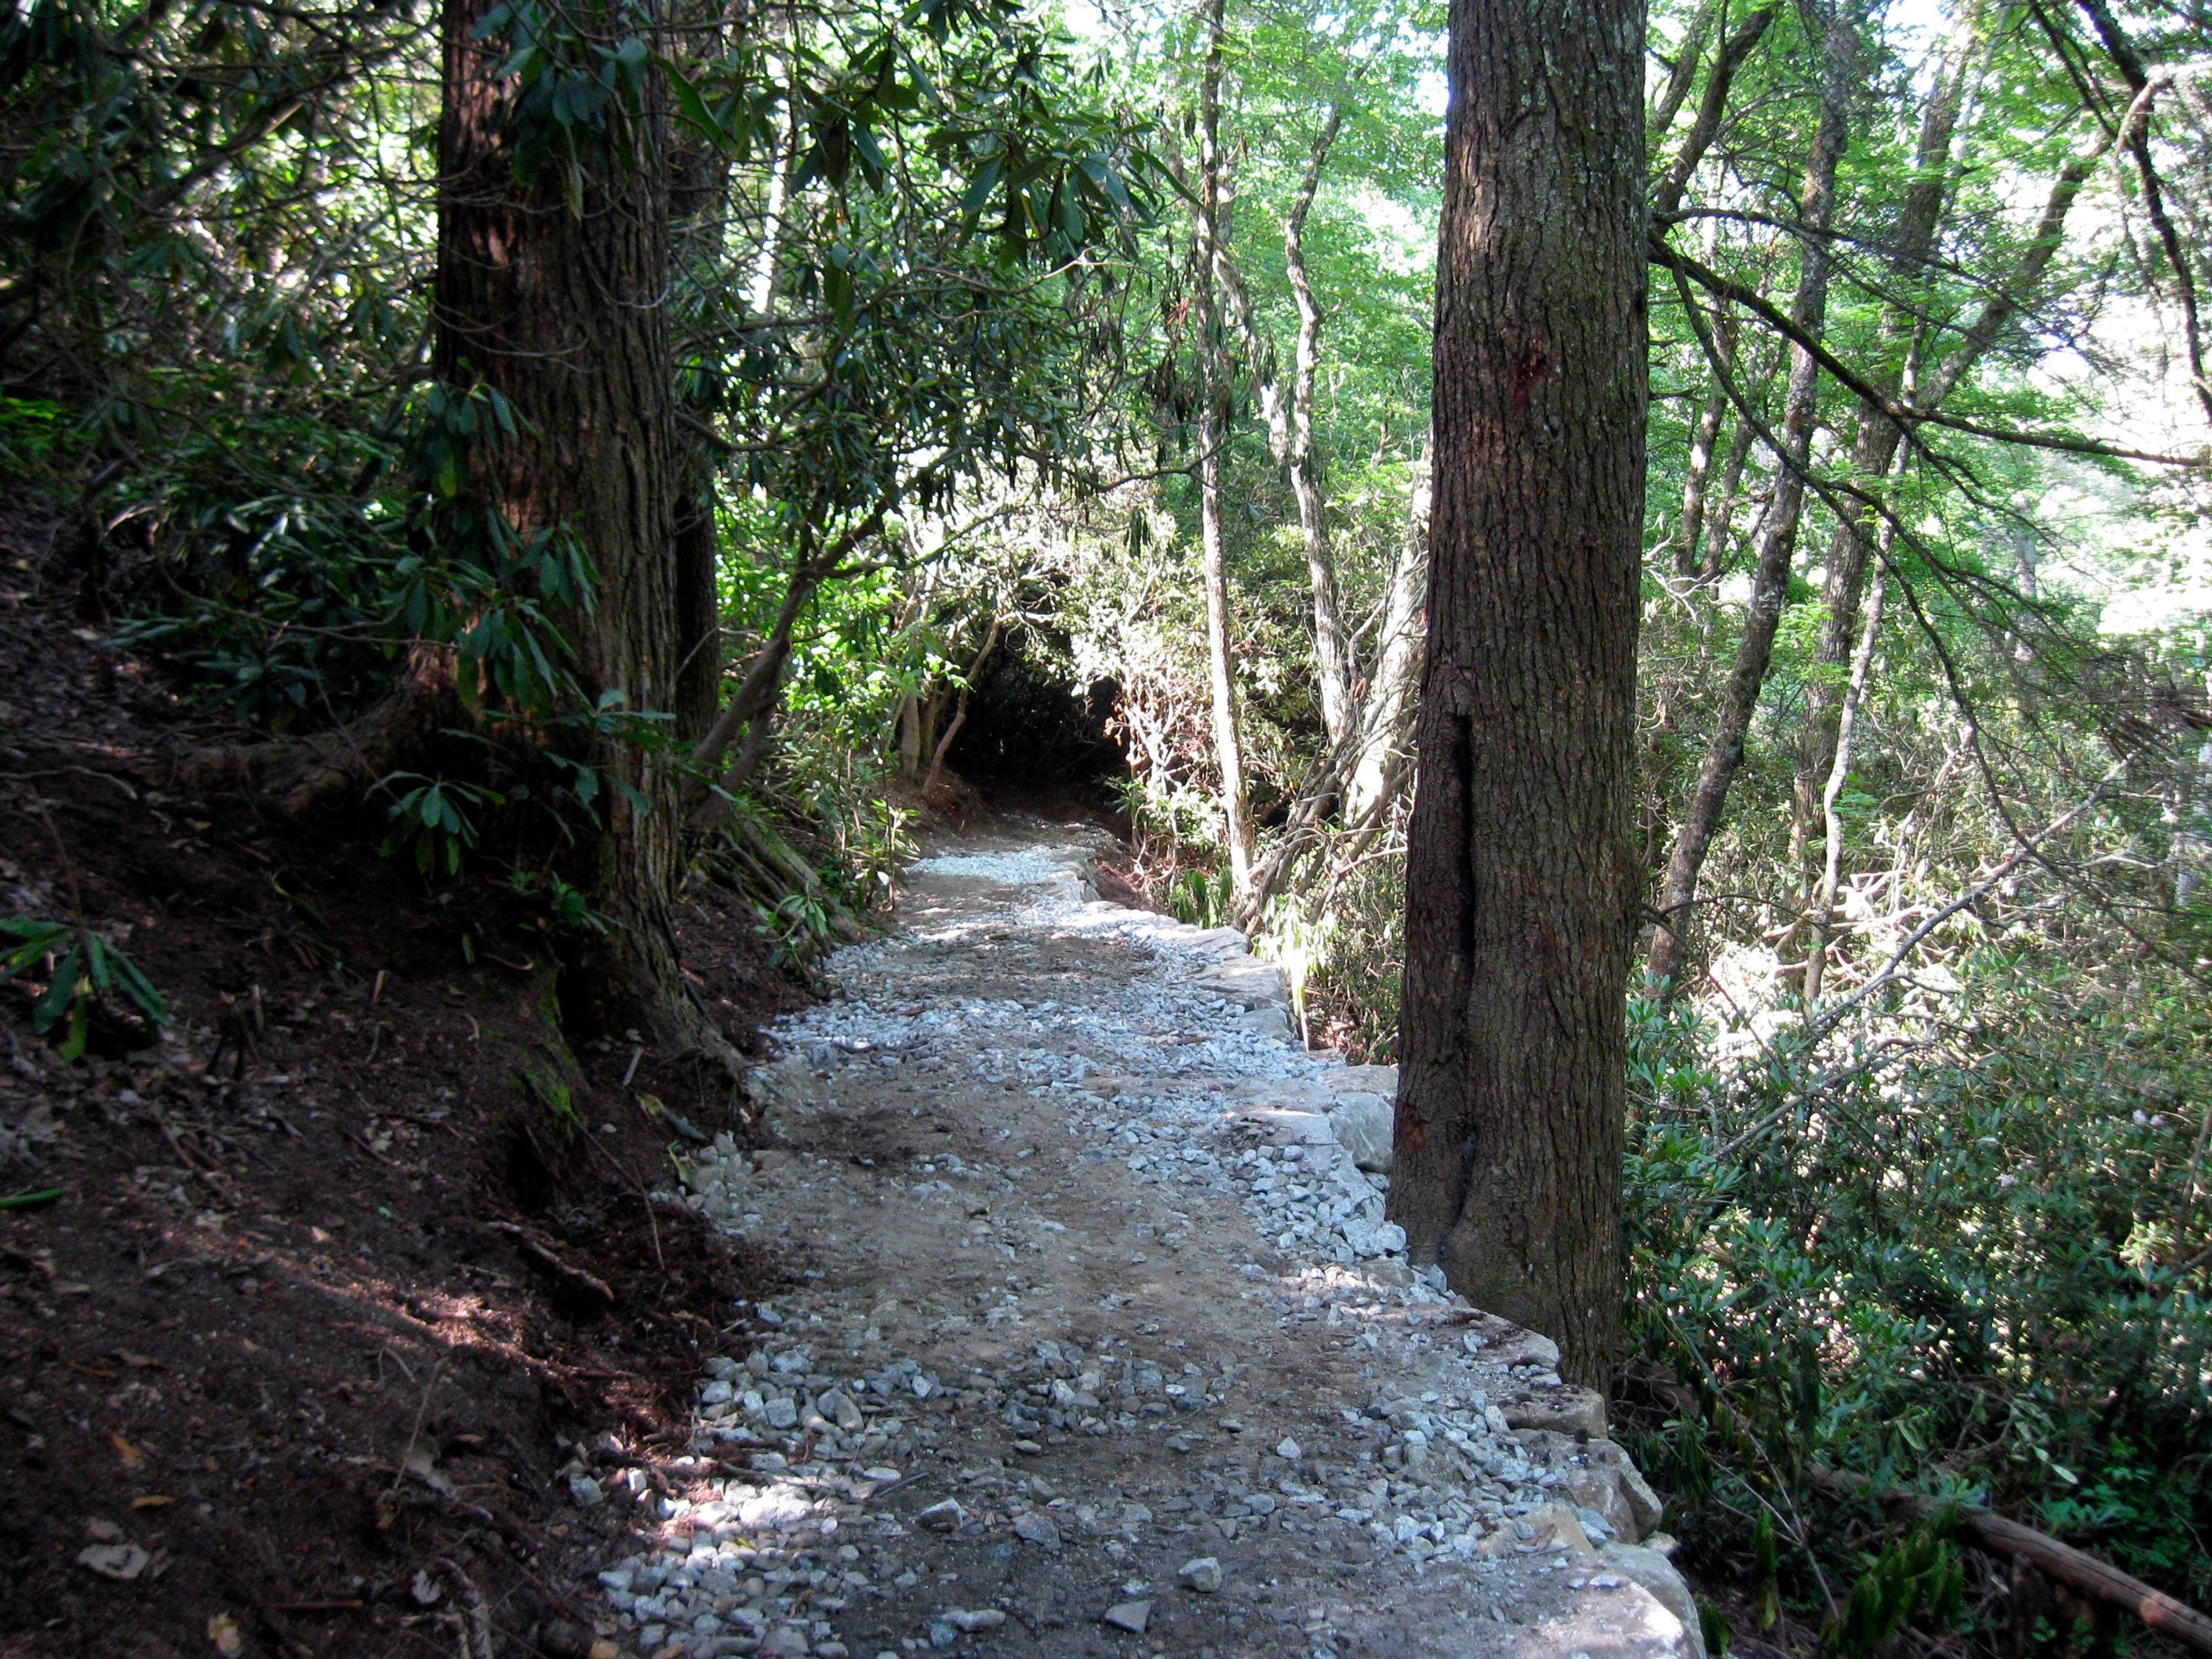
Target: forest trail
(1104,1349)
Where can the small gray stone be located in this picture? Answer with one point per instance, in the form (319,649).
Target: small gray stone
(786,1642)
(1038,1529)
(943,1517)
(781,1414)
(1131,1616)
(586,1491)
(969,1621)
(838,1407)
(1290,1448)
(1201,1574)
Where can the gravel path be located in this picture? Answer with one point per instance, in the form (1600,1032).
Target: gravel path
(1110,1350)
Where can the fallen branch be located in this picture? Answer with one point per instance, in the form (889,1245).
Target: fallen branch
(539,1256)
(2073,1568)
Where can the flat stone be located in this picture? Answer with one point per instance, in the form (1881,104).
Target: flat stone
(969,1621)
(1364,1125)
(1292,1128)
(1598,1475)
(1556,1526)
(1220,943)
(1290,1448)
(1131,1616)
(1363,1080)
(1240,979)
(1566,1410)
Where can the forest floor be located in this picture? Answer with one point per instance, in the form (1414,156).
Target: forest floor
(1103,1346)
(288,1365)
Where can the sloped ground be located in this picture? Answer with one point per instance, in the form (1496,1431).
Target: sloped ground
(1106,1348)
(290,1342)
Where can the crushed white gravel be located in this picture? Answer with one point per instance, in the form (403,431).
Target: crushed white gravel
(1107,1317)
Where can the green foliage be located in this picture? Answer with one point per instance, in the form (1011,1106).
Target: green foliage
(574,93)
(32,434)
(1713,1625)
(557,910)
(82,969)
(431,820)
(1918,1578)
(1201,897)
(1965,1244)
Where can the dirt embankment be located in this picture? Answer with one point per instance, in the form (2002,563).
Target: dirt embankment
(346,1271)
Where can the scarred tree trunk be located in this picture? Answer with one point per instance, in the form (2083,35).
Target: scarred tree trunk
(561,311)
(1520,878)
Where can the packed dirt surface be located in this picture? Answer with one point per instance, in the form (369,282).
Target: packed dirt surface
(1105,1346)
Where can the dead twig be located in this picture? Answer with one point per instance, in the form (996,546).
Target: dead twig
(539,1255)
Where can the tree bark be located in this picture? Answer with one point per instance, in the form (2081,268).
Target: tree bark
(558,305)
(698,606)
(1385,713)
(1521,875)
(1778,540)
(1832,794)
(1332,655)
(1212,433)
(1689,530)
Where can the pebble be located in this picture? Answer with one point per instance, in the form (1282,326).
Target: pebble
(1201,1574)
(1131,1616)
(942,1517)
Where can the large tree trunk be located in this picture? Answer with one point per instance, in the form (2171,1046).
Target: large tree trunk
(1520,871)
(1778,540)
(559,307)
(1213,434)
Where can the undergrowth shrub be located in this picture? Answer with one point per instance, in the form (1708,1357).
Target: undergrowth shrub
(1962,1254)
